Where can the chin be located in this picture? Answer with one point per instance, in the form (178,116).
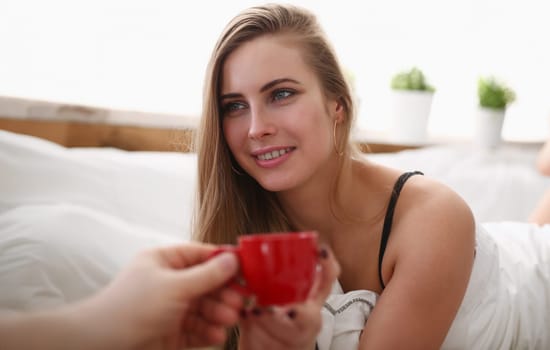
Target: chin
(275,185)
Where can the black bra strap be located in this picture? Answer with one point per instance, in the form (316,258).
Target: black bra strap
(389,218)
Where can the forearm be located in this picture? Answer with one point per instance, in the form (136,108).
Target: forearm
(68,327)
(46,330)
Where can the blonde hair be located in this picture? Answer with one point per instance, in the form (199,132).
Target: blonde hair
(230,202)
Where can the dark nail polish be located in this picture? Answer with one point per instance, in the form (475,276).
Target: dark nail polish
(291,314)
(256,311)
(323,253)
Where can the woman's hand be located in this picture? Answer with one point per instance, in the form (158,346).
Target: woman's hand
(293,326)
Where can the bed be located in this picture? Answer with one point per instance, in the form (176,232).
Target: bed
(71,217)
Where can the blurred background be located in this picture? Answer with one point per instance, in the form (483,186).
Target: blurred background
(150,55)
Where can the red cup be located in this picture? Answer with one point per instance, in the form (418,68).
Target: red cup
(277,268)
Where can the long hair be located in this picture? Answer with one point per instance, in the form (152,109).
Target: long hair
(230,202)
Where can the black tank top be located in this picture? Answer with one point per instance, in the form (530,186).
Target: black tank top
(389,218)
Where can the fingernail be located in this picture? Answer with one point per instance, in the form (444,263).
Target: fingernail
(291,314)
(256,311)
(228,261)
(323,253)
(243,313)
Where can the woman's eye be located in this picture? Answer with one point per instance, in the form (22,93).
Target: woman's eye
(232,106)
(282,94)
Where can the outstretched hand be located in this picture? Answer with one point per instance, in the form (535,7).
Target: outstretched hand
(172,298)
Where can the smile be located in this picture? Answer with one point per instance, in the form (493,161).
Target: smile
(273,154)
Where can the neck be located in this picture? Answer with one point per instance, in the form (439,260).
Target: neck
(313,205)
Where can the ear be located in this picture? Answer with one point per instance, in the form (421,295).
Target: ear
(339,110)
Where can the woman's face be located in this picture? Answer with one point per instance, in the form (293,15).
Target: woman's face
(276,120)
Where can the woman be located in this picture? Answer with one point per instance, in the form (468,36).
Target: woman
(274,155)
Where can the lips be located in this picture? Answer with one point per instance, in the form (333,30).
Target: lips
(274,154)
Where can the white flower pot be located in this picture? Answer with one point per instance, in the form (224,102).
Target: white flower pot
(489,123)
(409,115)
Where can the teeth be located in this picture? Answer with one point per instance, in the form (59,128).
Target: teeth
(273,154)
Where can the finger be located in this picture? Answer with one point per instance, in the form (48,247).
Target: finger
(252,335)
(204,277)
(215,335)
(230,297)
(297,324)
(179,256)
(330,269)
(200,333)
(217,312)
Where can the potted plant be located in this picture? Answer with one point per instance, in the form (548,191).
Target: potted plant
(494,96)
(411,104)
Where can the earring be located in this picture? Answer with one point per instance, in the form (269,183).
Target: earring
(334,138)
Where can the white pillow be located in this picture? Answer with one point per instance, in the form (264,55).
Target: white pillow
(146,188)
(57,253)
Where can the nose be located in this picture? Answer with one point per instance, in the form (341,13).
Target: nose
(261,124)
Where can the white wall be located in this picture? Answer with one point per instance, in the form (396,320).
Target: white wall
(150,55)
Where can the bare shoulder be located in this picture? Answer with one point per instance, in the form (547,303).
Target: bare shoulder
(431,213)
(427,213)
(426,268)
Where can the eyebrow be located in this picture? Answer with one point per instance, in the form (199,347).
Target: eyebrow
(263,88)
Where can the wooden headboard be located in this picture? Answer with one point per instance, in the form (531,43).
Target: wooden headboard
(81,134)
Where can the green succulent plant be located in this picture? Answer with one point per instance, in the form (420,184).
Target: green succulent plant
(412,79)
(493,93)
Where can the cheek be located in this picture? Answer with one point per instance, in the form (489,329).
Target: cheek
(233,131)
(315,121)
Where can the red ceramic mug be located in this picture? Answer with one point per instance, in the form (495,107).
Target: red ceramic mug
(277,268)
